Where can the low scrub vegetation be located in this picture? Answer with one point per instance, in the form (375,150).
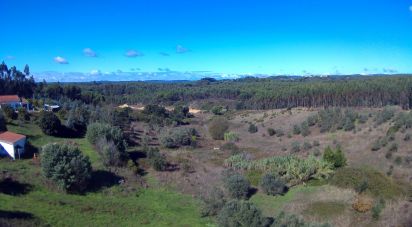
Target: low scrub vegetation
(237,186)
(273,185)
(177,137)
(335,157)
(217,128)
(291,169)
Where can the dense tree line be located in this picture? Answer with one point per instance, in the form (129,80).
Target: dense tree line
(267,93)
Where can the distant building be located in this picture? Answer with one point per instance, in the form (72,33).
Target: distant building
(12,144)
(14,101)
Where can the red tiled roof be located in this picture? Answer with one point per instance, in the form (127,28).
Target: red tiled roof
(10,137)
(9,98)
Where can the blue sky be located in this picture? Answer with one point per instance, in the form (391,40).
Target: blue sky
(110,39)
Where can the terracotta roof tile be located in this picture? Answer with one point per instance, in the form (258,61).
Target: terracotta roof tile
(10,137)
(9,98)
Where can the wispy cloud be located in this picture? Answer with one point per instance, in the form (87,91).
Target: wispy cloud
(134,69)
(181,49)
(60,60)
(390,71)
(133,54)
(164,69)
(410,8)
(88,52)
(9,57)
(164,54)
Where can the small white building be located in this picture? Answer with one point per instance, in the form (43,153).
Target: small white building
(12,144)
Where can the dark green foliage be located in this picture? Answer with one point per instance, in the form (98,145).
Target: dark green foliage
(252,128)
(362,186)
(218,110)
(217,128)
(237,186)
(393,147)
(95,131)
(363,118)
(66,166)
(13,81)
(271,131)
(232,147)
(398,160)
(176,137)
(280,132)
(377,208)
(213,202)
(49,123)
(312,120)
(231,137)
(23,115)
(295,146)
(316,143)
(110,154)
(291,220)
(9,112)
(3,123)
(296,130)
(240,214)
(156,159)
(336,158)
(273,185)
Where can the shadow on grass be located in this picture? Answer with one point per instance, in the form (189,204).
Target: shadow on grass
(18,218)
(11,187)
(15,215)
(103,179)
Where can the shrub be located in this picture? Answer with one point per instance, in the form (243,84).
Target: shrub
(296,130)
(49,123)
(312,120)
(316,143)
(218,110)
(233,148)
(280,132)
(156,159)
(307,146)
(362,204)
(336,158)
(398,160)
(377,183)
(110,154)
(271,131)
(377,208)
(240,213)
(237,186)
(177,137)
(407,137)
(272,185)
(252,128)
(213,202)
(295,146)
(217,128)
(3,125)
(9,112)
(95,131)
(66,166)
(305,131)
(231,137)
(385,115)
(291,220)
(23,115)
(393,147)
(376,145)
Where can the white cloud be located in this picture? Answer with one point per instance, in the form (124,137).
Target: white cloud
(181,49)
(88,52)
(133,54)
(410,8)
(60,60)
(95,72)
(10,57)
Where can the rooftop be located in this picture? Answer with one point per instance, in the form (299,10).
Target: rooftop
(9,98)
(10,137)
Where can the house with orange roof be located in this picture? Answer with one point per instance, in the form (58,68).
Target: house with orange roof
(12,144)
(14,101)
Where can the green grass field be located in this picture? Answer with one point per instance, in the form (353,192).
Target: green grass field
(154,206)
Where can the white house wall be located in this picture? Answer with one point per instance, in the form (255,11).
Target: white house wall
(9,148)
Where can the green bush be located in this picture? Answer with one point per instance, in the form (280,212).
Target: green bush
(231,137)
(377,208)
(305,131)
(336,158)
(66,166)
(156,159)
(49,123)
(95,131)
(407,137)
(240,213)
(23,115)
(377,184)
(272,185)
(177,137)
(316,143)
(217,128)
(271,131)
(280,132)
(252,128)
(237,186)
(307,146)
(232,147)
(218,110)
(110,154)
(3,123)
(9,112)
(296,130)
(213,202)
(295,146)
(385,115)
